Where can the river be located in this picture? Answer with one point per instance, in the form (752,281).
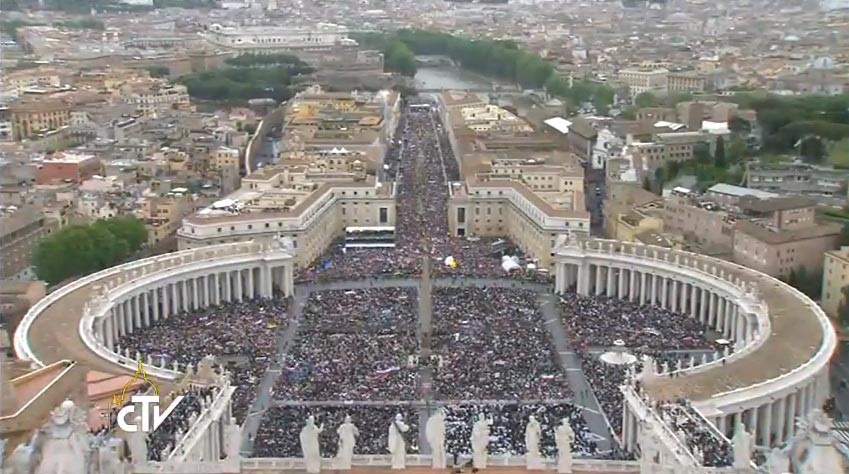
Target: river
(449,78)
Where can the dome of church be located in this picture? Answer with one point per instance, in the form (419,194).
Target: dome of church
(823,63)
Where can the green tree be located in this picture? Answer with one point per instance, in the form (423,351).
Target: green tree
(82,249)
(159,71)
(719,153)
(739,126)
(844,234)
(812,149)
(646,184)
(737,150)
(646,99)
(397,57)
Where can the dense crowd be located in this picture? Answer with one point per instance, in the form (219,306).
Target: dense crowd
(494,346)
(597,321)
(698,436)
(239,334)
(278,435)
(420,159)
(507,432)
(354,345)
(165,438)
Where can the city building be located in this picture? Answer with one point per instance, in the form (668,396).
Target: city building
(835,277)
(309,206)
(152,96)
(823,184)
(20,231)
(644,80)
(686,82)
(781,235)
(532,200)
(32,115)
(68,167)
(264,39)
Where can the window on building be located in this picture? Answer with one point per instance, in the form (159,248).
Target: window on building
(383,215)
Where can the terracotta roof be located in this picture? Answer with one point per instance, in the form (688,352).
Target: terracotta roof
(775,204)
(539,202)
(583,127)
(822,229)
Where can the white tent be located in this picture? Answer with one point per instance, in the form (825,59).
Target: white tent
(510,263)
(449,260)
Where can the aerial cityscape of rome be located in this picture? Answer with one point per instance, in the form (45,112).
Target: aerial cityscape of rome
(424,237)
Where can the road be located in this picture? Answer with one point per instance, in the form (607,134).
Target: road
(594,189)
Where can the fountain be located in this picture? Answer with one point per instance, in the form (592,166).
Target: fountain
(618,355)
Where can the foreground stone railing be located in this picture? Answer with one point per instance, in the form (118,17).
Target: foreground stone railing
(591,465)
(110,279)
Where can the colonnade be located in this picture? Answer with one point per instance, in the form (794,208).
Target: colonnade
(191,291)
(701,301)
(770,418)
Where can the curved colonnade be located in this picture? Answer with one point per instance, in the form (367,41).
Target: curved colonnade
(782,340)
(777,371)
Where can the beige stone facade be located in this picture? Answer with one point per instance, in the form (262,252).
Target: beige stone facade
(835,277)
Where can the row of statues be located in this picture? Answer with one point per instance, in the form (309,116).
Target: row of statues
(435,433)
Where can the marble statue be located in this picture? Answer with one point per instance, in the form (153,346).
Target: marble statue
(480,441)
(233,435)
(137,443)
(778,461)
(743,444)
(309,445)
(64,441)
(564,436)
(109,456)
(533,431)
(22,460)
(397,443)
(435,433)
(348,433)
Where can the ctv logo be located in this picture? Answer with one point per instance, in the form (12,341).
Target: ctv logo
(150,417)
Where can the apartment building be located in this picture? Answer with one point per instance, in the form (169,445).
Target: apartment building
(641,80)
(30,116)
(686,82)
(782,234)
(699,219)
(531,200)
(311,207)
(151,96)
(163,215)
(68,167)
(835,277)
(20,231)
(822,184)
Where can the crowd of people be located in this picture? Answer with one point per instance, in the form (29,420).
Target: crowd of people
(597,321)
(278,434)
(509,422)
(422,163)
(714,451)
(494,346)
(241,335)
(354,345)
(161,442)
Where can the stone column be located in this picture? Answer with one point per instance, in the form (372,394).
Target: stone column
(653,292)
(643,281)
(119,315)
(694,309)
(195,294)
(620,291)
(228,284)
(137,313)
(108,334)
(216,282)
(675,296)
(184,286)
(265,280)
(782,415)
(792,400)
(240,289)
(664,292)
(175,308)
(728,310)
(766,425)
(683,295)
(251,292)
(611,288)
(598,287)
(704,298)
(712,310)
(583,279)
(146,310)
(632,290)
(155,293)
(753,423)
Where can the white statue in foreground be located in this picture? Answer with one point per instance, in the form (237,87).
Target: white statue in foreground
(480,441)
(309,445)
(64,442)
(397,443)
(435,432)
(533,431)
(348,433)
(564,436)
(743,444)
